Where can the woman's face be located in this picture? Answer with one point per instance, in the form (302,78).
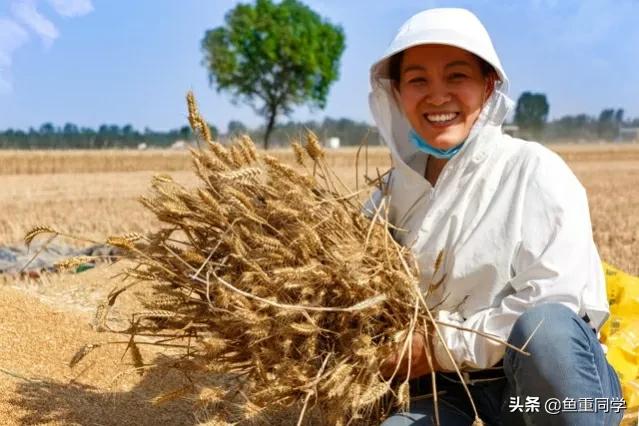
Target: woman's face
(441,91)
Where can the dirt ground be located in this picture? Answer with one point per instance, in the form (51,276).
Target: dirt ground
(46,320)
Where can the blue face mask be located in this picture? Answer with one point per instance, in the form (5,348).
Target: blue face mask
(422,145)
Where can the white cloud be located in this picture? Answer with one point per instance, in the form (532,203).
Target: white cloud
(26,11)
(12,36)
(72,7)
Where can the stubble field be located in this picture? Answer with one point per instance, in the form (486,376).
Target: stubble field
(94,194)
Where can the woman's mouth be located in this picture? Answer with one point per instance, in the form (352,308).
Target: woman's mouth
(441,119)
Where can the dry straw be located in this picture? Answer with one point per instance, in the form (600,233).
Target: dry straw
(276,286)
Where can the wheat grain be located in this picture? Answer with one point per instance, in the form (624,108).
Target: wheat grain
(38,230)
(205,130)
(72,262)
(193,111)
(120,242)
(372,394)
(243,175)
(303,328)
(298,150)
(313,147)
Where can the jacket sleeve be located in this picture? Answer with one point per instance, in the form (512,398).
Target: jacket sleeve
(554,260)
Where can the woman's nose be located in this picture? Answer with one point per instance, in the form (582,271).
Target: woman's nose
(438,95)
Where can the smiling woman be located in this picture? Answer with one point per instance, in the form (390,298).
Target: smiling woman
(512,222)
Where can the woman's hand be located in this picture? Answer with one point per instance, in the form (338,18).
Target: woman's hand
(419,365)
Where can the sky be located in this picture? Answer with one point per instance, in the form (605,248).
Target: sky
(91,62)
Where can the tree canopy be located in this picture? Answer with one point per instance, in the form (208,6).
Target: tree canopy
(274,56)
(609,123)
(531,112)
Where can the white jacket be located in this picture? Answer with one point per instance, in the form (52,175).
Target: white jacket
(510,216)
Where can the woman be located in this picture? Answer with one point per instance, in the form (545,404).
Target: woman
(513,224)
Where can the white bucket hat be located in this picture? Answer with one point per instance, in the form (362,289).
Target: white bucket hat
(449,26)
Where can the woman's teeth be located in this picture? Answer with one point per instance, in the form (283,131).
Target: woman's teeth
(441,118)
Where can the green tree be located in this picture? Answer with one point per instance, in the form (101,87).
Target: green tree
(274,56)
(185,132)
(609,123)
(531,112)
(47,129)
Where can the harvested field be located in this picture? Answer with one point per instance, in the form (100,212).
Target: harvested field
(82,161)
(103,201)
(94,194)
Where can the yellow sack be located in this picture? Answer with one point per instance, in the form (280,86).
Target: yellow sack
(620,333)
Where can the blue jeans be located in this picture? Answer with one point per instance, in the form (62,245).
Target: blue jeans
(566,362)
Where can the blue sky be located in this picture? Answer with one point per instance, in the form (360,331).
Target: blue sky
(131,61)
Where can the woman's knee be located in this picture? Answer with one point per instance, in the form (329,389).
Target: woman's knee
(549,324)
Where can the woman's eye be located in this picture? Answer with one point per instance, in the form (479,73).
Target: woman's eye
(458,76)
(417,80)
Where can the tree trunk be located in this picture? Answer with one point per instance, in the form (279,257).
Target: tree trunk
(269,127)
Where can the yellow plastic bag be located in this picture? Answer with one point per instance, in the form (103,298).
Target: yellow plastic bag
(620,333)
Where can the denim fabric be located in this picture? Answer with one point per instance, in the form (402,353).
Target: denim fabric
(566,363)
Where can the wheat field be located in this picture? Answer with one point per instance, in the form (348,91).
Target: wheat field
(94,194)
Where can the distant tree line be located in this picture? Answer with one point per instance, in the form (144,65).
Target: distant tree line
(584,127)
(71,136)
(348,131)
(531,116)
(531,120)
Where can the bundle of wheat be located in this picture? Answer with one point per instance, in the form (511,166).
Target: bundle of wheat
(287,293)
